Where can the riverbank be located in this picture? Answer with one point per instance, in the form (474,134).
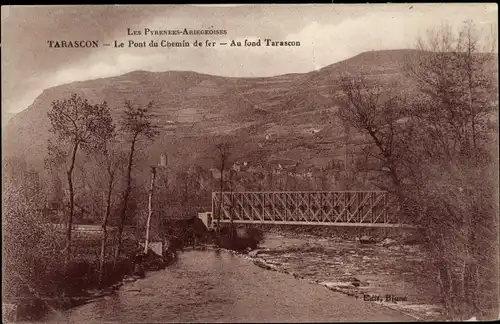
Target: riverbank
(135,269)
(58,288)
(394,272)
(389,273)
(367,272)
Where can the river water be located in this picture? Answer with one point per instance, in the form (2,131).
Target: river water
(402,272)
(218,286)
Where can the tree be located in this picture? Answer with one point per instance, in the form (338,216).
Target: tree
(452,160)
(376,112)
(55,190)
(75,122)
(137,123)
(185,189)
(454,75)
(30,245)
(231,182)
(434,148)
(106,155)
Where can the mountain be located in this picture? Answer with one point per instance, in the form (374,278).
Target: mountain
(6,116)
(192,109)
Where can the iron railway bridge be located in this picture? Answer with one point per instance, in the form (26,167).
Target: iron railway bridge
(327,208)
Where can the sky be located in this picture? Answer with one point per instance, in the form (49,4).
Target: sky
(328,33)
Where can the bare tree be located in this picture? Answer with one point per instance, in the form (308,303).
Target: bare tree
(452,161)
(184,191)
(137,123)
(376,112)
(457,87)
(434,148)
(75,122)
(231,186)
(107,155)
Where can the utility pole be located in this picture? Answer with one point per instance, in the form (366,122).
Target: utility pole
(150,207)
(163,163)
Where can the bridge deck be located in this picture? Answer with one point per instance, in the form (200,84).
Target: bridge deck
(376,225)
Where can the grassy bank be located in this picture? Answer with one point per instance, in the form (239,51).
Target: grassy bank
(48,283)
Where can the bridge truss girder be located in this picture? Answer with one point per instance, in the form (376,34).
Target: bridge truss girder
(334,208)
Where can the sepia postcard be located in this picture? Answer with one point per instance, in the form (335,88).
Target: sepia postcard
(250,163)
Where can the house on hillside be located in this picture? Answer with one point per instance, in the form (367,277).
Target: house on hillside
(315,131)
(284,166)
(240,166)
(304,172)
(271,137)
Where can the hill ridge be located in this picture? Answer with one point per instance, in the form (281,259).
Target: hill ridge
(193,108)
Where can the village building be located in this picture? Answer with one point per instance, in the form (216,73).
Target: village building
(283,165)
(239,166)
(303,172)
(271,137)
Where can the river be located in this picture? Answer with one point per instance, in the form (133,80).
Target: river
(218,286)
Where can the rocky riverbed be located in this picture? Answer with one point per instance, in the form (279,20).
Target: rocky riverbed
(386,272)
